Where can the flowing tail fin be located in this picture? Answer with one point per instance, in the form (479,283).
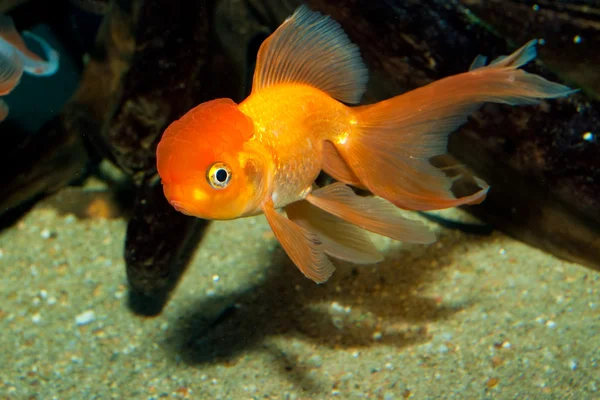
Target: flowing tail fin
(394,140)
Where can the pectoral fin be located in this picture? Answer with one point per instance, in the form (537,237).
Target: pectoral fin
(303,247)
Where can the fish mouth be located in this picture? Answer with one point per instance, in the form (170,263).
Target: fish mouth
(173,193)
(180,207)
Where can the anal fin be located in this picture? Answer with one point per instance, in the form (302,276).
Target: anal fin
(371,213)
(341,239)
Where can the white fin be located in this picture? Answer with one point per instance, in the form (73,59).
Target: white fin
(341,239)
(312,49)
(478,62)
(371,213)
(517,59)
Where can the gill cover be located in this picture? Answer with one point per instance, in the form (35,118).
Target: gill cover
(206,164)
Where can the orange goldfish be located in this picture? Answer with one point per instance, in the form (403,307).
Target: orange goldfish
(223,160)
(16,58)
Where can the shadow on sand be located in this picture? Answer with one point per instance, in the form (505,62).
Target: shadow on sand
(389,298)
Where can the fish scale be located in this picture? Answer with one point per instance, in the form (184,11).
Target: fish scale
(292,121)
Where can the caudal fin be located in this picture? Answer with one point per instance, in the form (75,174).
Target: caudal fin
(390,151)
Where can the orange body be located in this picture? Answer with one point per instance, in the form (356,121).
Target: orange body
(223,161)
(292,122)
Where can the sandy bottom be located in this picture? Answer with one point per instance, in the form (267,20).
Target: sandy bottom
(468,317)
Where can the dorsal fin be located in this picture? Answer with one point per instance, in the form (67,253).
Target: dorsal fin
(312,49)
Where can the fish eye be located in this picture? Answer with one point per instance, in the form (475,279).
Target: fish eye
(218,175)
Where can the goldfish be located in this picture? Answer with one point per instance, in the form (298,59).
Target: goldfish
(16,58)
(223,160)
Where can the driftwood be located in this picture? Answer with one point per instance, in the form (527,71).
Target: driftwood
(172,68)
(153,61)
(7,5)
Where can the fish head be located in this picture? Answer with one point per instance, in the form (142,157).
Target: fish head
(208,166)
